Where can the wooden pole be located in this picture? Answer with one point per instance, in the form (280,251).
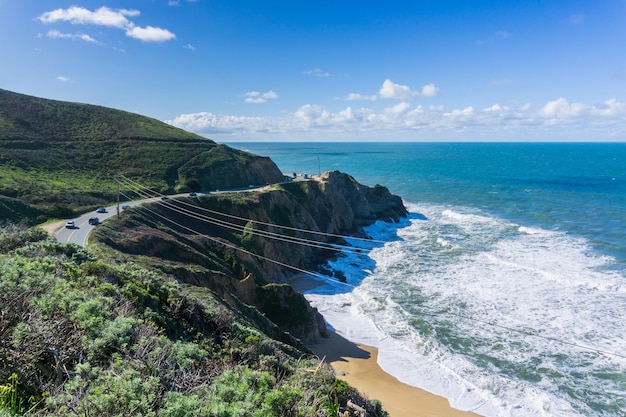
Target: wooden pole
(118,200)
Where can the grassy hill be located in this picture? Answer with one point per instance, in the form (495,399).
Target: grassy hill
(35,119)
(60,157)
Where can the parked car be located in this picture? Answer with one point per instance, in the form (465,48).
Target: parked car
(101,210)
(94,221)
(71,224)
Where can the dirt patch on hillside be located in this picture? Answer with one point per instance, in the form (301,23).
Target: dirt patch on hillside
(52,228)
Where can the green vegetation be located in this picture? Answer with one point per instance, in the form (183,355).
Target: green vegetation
(154,320)
(58,157)
(297,188)
(82,336)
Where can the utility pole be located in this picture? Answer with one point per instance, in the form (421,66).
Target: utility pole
(118,199)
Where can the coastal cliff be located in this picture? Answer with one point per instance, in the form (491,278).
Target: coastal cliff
(231,242)
(179,307)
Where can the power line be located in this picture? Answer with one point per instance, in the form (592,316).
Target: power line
(230,245)
(262,233)
(255,232)
(434,314)
(155,194)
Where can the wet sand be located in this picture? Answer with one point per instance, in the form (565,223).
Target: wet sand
(357,365)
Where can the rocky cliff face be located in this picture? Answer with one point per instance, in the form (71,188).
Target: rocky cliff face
(235,243)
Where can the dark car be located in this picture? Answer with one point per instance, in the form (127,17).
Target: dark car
(192,194)
(101,210)
(94,221)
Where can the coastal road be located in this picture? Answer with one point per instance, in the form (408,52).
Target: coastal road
(80,233)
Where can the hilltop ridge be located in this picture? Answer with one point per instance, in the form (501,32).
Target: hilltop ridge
(58,157)
(27,117)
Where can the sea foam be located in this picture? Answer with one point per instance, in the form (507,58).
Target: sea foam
(501,319)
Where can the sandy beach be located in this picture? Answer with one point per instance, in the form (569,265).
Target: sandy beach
(357,365)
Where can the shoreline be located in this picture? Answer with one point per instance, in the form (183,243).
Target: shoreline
(357,364)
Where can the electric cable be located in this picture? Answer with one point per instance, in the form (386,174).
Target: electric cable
(257,232)
(260,222)
(434,314)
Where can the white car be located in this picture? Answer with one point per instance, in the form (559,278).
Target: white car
(71,224)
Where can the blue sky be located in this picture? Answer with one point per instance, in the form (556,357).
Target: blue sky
(332,70)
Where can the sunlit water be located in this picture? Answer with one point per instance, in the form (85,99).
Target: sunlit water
(505,288)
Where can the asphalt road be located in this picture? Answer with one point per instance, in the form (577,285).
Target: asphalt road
(80,233)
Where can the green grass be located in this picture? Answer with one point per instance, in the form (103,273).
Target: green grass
(67,154)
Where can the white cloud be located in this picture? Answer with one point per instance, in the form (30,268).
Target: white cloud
(104,16)
(270,95)
(345,115)
(190,47)
(429,90)
(392,90)
(63,79)
(59,35)
(401,121)
(463,114)
(256,97)
(149,34)
(497,108)
(561,108)
(611,108)
(359,97)
(81,16)
(398,109)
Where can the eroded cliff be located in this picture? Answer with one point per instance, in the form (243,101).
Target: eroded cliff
(245,245)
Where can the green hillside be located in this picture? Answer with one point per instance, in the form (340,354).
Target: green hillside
(84,336)
(36,120)
(61,157)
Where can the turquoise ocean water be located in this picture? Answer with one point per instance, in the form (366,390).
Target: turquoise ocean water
(505,288)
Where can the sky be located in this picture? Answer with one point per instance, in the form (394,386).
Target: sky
(270,71)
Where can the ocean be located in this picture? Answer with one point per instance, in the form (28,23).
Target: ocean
(504,290)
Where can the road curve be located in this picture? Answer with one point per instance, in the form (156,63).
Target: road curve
(80,233)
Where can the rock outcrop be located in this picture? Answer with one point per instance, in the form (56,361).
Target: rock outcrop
(236,243)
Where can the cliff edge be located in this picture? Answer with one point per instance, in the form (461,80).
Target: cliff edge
(244,246)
